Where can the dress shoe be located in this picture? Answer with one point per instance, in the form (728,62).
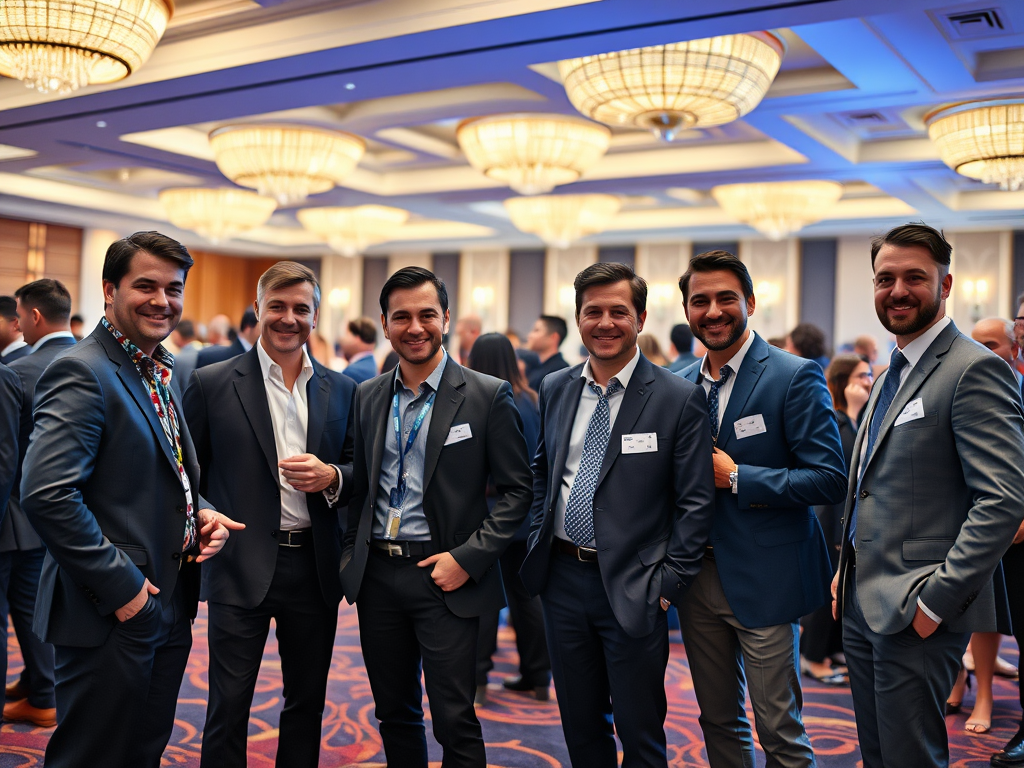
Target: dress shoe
(16,691)
(1012,754)
(22,711)
(520,685)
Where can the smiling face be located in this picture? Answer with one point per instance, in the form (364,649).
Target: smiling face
(146,305)
(716,309)
(608,322)
(286,316)
(910,290)
(415,324)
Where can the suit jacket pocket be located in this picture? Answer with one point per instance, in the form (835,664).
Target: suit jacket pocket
(927,549)
(135,553)
(653,553)
(787,533)
(928,420)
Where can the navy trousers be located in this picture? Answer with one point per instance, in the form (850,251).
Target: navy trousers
(19,583)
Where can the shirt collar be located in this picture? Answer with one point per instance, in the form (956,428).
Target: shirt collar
(246,346)
(916,349)
(433,380)
(734,362)
(359,356)
(54,335)
(622,376)
(13,346)
(268,366)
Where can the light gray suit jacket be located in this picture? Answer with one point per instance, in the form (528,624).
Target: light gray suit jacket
(940,497)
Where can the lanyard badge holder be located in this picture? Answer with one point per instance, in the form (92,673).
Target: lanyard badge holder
(396,500)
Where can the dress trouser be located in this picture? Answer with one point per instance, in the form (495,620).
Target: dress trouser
(900,683)
(405,625)
(726,658)
(115,702)
(527,618)
(1013,571)
(19,583)
(603,677)
(306,627)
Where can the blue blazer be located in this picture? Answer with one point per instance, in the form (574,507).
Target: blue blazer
(769,548)
(362,370)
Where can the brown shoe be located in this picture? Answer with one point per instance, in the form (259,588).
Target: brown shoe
(22,711)
(16,691)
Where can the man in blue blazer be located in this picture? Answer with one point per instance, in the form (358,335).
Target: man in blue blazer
(777,454)
(622,505)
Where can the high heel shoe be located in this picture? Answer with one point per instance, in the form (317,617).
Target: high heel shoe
(963,678)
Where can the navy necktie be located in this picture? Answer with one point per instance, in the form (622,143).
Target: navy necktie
(889,388)
(713,400)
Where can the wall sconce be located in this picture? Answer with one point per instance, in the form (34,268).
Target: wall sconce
(768,293)
(339,297)
(567,297)
(483,296)
(661,294)
(976,294)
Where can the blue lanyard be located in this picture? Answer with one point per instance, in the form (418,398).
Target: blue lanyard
(398,493)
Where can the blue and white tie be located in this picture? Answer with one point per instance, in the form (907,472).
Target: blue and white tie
(713,400)
(579,510)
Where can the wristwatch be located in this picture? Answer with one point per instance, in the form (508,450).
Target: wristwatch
(733,480)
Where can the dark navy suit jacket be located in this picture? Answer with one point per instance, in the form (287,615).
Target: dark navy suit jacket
(769,548)
(218,354)
(362,370)
(10,414)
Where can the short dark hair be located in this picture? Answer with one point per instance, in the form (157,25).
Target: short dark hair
(49,296)
(915,233)
(186,329)
(606,273)
(681,337)
(118,260)
(364,329)
(413,277)
(8,308)
(248,319)
(809,341)
(716,261)
(555,324)
(77,319)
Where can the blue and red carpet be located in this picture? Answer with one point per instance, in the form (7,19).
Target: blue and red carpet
(520,732)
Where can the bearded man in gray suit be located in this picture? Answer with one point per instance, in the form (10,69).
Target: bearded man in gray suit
(935,486)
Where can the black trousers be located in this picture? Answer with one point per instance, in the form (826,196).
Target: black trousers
(404,624)
(1013,571)
(899,684)
(604,677)
(19,583)
(527,618)
(115,703)
(306,626)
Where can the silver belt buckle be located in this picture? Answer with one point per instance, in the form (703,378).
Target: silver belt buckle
(395,550)
(288,541)
(589,551)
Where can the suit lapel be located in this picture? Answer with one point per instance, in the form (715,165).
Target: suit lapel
(633,401)
(569,401)
(318,396)
(446,405)
(379,410)
(252,393)
(750,371)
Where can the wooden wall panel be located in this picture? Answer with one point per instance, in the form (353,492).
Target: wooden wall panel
(221,284)
(13,255)
(62,255)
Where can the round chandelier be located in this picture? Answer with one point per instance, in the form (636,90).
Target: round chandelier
(532,153)
(217,214)
(350,231)
(982,140)
(62,45)
(560,220)
(285,162)
(669,88)
(779,208)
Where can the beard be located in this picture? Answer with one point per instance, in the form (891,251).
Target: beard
(736,331)
(926,313)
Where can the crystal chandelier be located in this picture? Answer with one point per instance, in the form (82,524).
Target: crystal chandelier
(560,220)
(350,231)
(532,153)
(982,140)
(217,214)
(62,45)
(779,208)
(285,162)
(669,88)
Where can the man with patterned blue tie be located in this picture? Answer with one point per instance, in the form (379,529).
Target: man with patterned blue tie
(777,454)
(934,502)
(621,511)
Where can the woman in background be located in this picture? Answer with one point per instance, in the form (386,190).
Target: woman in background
(649,345)
(492,353)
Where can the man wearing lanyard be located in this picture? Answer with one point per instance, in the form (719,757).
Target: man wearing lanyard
(421,548)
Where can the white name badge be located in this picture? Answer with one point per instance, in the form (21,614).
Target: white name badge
(912,412)
(749,426)
(458,433)
(640,442)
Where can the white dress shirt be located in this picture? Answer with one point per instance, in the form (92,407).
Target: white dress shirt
(725,391)
(289,413)
(584,411)
(54,335)
(12,347)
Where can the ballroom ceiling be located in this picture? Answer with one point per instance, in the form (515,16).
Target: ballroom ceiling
(847,105)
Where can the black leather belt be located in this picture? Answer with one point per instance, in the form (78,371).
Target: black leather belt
(709,553)
(299,537)
(583,554)
(417,549)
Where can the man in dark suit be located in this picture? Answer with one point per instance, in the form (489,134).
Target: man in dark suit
(358,341)
(271,428)
(12,345)
(248,332)
(777,454)
(935,495)
(44,307)
(109,484)
(545,338)
(681,338)
(10,416)
(421,548)
(621,510)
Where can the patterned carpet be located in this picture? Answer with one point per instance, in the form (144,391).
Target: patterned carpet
(520,732)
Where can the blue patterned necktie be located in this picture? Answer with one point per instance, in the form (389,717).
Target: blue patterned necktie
(889,388)
(723,374)
(579,510)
